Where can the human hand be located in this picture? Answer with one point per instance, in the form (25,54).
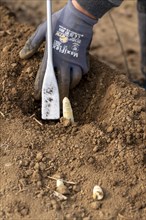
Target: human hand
(72,34)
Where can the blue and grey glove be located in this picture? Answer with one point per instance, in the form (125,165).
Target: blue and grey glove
(72,34)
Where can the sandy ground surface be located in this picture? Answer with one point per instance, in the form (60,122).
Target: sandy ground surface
(106,145)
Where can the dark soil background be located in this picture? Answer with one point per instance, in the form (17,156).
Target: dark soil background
(106,145)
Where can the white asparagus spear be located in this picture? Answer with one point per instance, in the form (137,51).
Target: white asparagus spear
(67,110)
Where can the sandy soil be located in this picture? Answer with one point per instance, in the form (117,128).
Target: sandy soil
(106,145)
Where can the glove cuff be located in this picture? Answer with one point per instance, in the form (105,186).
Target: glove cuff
(80,15)
(141,6)
(98,8)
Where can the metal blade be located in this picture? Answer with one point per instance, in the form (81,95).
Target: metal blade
(50,91)
(50,96)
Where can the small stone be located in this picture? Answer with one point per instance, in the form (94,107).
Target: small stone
(108,140)
(120,149)
(76,188)
(31,164)
(94,141)
(30,75)
(7,48)
(24,211)
(39,184)
(66,122)
(42,166)
(37,166)
(9,164)
(14,65)
(110,129)
(28,172)
(82,215)
(13,91)
(36,176)
(128,139)
(119,95)
(91,160)
(113,106)
(63,190)
(29,70)
(24,163)
(13,74)
(128,119)
(39,156)
(24,62)
(44,159)
(8,32)
(95,205)
(95,149)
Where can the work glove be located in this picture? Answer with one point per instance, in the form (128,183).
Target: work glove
(72,34)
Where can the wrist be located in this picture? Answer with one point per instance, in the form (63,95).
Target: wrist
(82,10)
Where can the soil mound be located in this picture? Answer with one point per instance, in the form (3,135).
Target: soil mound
(104,147)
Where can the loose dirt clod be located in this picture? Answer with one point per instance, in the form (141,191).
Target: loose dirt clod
(39,156)
(95,205)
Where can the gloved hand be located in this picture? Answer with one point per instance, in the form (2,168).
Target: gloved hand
(72,34)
